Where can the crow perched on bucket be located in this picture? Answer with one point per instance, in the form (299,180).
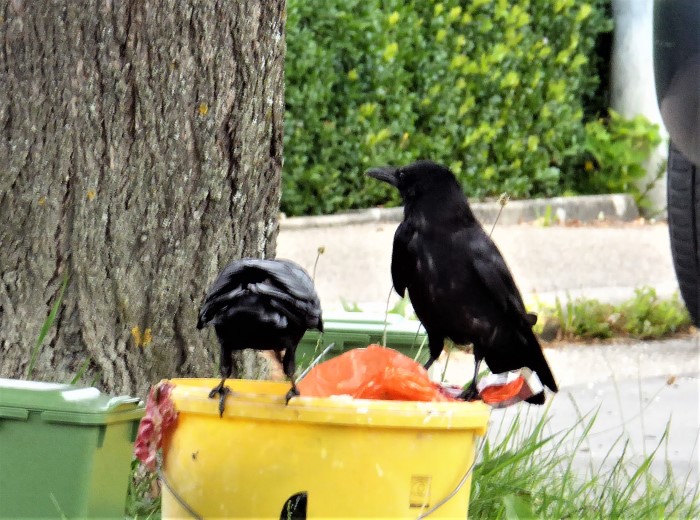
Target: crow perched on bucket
(263,305)
(458,282)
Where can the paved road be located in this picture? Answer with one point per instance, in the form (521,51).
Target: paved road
(637,391)
(600,262)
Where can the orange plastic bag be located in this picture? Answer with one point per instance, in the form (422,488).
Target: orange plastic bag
(495,395)
(374,372)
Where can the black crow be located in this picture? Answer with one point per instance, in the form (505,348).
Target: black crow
(457,280)
(263,305)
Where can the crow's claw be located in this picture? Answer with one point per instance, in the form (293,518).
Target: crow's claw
(470,393)
(222,391)
(293,392)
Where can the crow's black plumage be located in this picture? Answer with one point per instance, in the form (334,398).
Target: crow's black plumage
(458,282)
(262,305)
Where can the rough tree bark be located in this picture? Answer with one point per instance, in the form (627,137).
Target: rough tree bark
(140,151)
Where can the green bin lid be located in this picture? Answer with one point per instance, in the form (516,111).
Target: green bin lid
(371,322)
(57,402)
(399,330)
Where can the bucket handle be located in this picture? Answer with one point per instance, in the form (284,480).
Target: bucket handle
(180,500)
(459,486)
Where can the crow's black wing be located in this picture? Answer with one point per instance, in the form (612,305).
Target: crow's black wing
(249,310)
(237,275)
(290,277)
(253,270)
(272,285)
(492,270)
(296,282)
(301,312)
(402,262)
(218,303)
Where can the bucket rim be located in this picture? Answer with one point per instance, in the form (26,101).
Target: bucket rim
(265,400)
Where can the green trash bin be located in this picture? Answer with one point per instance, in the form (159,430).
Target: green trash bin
(65,450)
(348,330)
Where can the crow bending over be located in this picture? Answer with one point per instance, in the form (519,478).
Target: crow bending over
(458,282)
(263,305)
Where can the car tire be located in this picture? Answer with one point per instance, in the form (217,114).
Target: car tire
(684,227)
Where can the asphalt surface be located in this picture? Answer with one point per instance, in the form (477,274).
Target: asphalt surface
(599,261)
(633,392)
(636,389)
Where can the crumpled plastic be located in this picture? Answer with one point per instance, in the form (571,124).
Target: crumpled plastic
(374,372)
(159,418)
(509,388)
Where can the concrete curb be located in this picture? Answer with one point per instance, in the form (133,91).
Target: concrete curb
(584,208)
(611,295)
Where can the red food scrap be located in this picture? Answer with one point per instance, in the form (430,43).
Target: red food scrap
(160,417)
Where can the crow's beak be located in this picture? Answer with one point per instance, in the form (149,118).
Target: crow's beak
(387,174)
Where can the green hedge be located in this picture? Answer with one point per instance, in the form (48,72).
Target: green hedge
(493,88)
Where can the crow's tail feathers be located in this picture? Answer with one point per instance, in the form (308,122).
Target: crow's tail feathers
(538,363)
(536,399)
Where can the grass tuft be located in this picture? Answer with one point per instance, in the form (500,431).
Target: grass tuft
(143,497)
(527,473)
(644,316)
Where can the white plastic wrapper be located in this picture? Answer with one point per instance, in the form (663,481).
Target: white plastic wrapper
(531,386)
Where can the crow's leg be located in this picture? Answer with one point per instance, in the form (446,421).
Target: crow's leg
(226,369)
(471,393)
(293,392)
(435,344)
(289,366)
(222,391)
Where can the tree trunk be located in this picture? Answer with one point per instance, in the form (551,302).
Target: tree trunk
(140,151)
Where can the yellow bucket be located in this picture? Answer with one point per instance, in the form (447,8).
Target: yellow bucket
(352,457)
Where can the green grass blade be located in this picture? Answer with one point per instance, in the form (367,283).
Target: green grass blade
(517,508)
(349,306)
(48,323)
(81,371)
(401,306)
